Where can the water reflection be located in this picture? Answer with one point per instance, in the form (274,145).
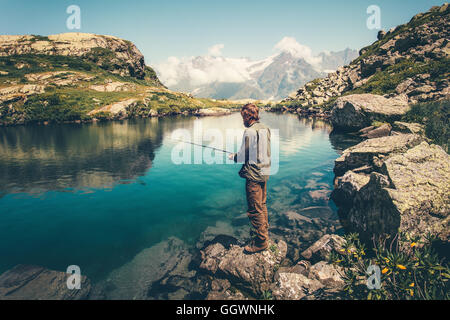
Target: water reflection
(36,159)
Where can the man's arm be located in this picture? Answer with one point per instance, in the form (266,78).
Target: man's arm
(248,142)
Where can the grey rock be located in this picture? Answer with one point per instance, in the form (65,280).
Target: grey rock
(25,282)
(329,275)
(322,247)
(294,286)
(254,272)
(134,279)
(371,152)
(408,190)
(354,112)
(407,127)
(377,132)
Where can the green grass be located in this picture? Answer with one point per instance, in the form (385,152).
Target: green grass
(435,116)
(58,105)
(386,81)
(375,48)
(75,101)
(36,63)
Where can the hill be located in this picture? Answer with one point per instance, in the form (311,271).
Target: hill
(82,77)
(411,59)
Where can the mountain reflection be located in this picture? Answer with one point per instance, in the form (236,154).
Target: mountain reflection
(37,159)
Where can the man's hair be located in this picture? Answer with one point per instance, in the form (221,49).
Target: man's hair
(250,112)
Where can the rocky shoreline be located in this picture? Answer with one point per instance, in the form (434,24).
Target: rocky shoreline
(207,112)
(392,181)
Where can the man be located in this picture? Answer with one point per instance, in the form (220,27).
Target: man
(255,156)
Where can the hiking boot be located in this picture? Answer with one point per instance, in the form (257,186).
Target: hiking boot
(256,247)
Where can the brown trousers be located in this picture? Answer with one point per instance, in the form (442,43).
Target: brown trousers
(257,209)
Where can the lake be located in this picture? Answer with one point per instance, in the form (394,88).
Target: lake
(96,195)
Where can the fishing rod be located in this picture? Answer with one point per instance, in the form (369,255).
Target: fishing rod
(200,145)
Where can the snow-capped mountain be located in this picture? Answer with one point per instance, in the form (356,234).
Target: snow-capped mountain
(273,78)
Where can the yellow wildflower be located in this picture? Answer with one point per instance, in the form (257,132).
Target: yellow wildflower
(384,270)
(412,284)
(414,244)
(402,267)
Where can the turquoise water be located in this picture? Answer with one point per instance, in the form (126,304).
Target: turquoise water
(95,195)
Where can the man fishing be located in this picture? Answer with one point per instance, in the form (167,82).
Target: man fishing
(255,156)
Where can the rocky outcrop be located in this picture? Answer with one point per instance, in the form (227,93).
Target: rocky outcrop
(394,184)
(253,273)
(113,86)
(25,282)
(212,112)
(424,41)
(237,275)
(312,278)
(368,155)
(125,58)
(354,112)
(117,108)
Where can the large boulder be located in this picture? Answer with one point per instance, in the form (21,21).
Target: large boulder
(25,282)
(404,188)
(252,272)
(368,155)
(357,111)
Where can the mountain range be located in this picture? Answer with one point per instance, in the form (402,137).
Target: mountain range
(271,78)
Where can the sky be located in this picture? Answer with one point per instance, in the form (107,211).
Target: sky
(233,28)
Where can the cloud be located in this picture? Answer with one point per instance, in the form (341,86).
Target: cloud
(196,71)
(216,50)
(290,45)
(189,73)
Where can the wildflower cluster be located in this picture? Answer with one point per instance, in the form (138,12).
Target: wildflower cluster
(410,269)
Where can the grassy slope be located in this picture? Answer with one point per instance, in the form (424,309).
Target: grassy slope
(74,101)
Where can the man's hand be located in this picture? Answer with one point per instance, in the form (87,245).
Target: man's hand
(231,156)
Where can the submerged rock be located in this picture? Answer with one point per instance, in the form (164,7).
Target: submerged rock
(252,272)
(134,279)
(25,282)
